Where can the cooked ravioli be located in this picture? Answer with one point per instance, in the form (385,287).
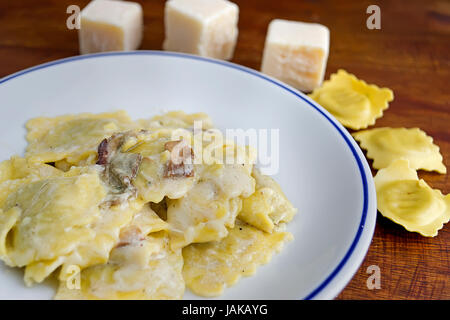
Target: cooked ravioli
(385,145)
(144,222)
(353,102)
(203,215)
(18,171)
(158,177)
(107,232)
(410,202)
(211,205)
(177,119)
(211,267)
(73,138)
(202,200)
(268,206)
(114,202)
(145,269)
(131,237)
(48,218)
(18,168)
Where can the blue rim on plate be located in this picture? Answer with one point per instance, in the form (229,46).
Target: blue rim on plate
(261,76)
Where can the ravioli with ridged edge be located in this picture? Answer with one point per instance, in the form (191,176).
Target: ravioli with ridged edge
(54,219)
(145,222)
(353,102)
(18,171)
(211,267)
(145,268)
(88,252)
(154,181)
(268,206)
(410,202)
(107,231)
(73,138)
(47,219)
(175,120)
(385,145)
(211,206)
(107,196)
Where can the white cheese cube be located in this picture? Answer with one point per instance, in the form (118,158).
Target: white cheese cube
(109,25)
(296,53)
(203,27)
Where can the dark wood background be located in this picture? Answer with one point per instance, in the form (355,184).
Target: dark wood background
(410,54)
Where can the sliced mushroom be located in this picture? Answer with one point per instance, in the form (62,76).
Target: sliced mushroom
(120,168)
(129,235)
(181,160)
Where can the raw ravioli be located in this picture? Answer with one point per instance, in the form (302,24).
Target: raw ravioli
(385,145)
(353,102)
(411,202)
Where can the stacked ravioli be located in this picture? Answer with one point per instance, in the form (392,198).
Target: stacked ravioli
(396,152)
(124,204)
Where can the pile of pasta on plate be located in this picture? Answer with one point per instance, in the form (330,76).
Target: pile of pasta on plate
(135,209)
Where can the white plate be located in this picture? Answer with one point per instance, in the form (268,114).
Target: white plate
(322,170)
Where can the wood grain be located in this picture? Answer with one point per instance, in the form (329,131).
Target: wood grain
(410,54)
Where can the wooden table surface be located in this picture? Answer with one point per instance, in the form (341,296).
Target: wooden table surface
(410,55)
